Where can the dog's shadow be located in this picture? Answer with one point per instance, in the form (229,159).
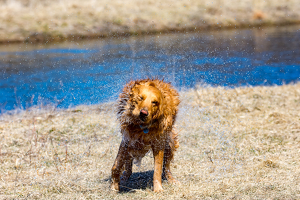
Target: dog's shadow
(137,181)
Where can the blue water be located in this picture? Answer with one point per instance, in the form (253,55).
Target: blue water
(89,72)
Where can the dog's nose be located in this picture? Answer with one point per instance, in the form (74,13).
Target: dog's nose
(144,113)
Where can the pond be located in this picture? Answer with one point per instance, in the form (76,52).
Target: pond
(94,71)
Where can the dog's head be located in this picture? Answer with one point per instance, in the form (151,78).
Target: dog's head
(146,101)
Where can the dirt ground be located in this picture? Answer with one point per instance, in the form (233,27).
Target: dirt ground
(45,21)
(240,143)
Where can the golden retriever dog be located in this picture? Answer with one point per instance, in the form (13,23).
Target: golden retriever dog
(147,111)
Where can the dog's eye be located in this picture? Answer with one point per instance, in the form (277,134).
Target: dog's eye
(155,103)
(140,98)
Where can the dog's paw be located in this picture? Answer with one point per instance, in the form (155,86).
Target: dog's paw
(157,187)
(171,179)
(115,186)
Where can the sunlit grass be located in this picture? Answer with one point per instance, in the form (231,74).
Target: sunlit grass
(43,21)
(240,143)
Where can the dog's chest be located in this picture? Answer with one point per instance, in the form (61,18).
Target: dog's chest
(140,142)
(137,140)
(138,146)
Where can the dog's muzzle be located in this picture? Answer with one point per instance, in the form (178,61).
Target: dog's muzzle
(143,114)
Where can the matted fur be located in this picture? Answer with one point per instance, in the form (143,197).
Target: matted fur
(161,104)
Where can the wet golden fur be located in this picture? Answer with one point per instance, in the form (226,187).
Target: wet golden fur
(147,111)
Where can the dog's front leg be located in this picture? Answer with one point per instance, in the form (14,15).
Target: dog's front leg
(117,167)
(158,153)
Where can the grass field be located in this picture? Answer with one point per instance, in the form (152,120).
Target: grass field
(240,143)
(45,20)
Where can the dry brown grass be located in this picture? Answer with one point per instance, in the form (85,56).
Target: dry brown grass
(240,143)
(45,20)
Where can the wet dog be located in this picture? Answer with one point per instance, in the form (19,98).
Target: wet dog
(147,111)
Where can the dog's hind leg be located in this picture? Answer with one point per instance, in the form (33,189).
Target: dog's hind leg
(168,157)
(118,166)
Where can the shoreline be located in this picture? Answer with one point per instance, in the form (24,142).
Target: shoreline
(41,38)
(45,109)
(48,109)
(60,20)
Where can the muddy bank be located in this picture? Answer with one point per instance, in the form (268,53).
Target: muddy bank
(45,21)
